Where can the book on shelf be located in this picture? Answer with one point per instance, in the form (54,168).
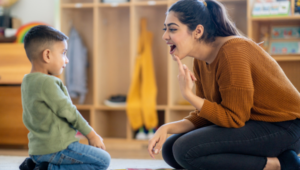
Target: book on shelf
(269,8)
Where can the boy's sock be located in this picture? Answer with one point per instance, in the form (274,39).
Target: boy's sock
(289,160)
(27,164)
(43,166)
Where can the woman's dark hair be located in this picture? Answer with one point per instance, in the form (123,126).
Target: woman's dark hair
(212,15)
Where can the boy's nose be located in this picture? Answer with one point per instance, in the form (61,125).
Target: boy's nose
(67,60)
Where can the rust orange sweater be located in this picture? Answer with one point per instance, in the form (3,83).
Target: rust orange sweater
(243,83)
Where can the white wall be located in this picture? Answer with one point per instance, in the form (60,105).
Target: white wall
(36,11)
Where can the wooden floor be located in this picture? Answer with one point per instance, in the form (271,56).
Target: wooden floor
(115,153)
(11,158)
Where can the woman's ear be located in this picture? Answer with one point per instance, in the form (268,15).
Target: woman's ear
(198,32)
(46,56)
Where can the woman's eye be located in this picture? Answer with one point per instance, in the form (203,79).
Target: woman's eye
(172,30)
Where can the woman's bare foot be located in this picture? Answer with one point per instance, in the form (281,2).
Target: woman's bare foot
(272,164)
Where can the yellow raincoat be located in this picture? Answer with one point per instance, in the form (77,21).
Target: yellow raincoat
(141,98)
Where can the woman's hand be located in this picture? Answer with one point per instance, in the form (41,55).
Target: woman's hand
(185,78)
(157,141)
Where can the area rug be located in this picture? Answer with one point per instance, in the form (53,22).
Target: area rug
(13,162)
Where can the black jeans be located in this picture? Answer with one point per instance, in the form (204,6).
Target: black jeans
(218,148)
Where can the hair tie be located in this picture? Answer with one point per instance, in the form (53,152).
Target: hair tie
(205,4)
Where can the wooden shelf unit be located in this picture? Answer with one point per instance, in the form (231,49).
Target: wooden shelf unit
(289,63)
(110,32)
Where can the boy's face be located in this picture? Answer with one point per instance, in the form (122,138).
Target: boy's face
(58,58)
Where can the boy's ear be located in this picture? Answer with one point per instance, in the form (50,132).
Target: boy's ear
(46,55)
(198,32)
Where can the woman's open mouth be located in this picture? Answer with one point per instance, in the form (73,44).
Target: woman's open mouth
(172,48)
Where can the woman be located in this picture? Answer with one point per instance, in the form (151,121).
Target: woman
(247,111)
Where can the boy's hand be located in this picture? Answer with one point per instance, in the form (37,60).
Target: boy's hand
(95,140)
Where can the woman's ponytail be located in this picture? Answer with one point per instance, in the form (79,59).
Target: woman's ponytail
(224,26)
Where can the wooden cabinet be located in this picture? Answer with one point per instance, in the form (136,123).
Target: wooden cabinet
(110,32)
(12,129)
(13,66)
(13,63)
(290,63)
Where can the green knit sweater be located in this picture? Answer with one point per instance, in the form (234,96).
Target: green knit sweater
(49,115)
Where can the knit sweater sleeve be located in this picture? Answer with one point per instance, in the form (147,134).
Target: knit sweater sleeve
(234,77)
(57,99)
(194,117)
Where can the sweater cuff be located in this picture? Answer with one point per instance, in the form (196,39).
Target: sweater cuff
(197,120)
(85,131)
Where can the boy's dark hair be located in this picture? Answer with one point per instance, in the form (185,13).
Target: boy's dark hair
(41,36)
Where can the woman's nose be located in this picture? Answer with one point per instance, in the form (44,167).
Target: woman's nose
(165,36)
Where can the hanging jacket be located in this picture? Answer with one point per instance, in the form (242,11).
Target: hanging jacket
(75,72)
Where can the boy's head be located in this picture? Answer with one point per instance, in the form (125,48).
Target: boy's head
(46,48)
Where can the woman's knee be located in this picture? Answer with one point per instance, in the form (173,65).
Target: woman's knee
(180,152)
(167,151)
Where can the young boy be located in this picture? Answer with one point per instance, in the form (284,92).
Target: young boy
(48,112)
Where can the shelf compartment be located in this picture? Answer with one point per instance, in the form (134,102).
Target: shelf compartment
(77,1)
(13,130)
(292,70)
(175,96)
(161,115)
(176,115)
(259,26)
(86,114)
(130,145)
(155,20)
(286,57)
(84,107)
(112,70)
(150,3)
(102,107)
(77,5)
(277,18)
(110,123)
(182,107)
(114,5)
(14,63)
(82,21)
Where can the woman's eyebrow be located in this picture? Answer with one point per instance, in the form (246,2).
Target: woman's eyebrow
(171,24)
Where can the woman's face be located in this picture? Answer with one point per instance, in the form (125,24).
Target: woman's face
(177,36)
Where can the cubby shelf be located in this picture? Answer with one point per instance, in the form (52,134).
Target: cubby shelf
(77,5)
(159,107)
(150,3)
(114,5)
(182,107)
(277,18)
(290,63)
(110,32)
(287,58)
(84,107)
